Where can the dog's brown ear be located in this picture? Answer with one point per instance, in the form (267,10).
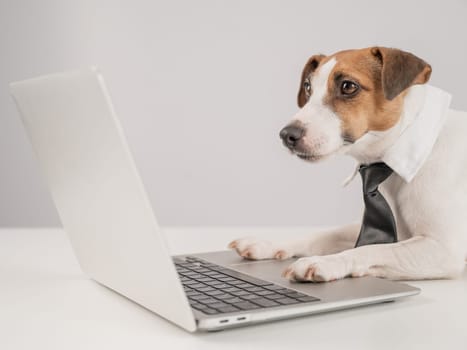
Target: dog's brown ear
(400,70)
(311,65)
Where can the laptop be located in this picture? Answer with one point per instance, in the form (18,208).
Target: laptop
(105,210)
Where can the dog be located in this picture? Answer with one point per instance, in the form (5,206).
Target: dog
(367,103)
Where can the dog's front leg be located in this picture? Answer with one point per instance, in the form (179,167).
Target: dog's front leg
(321,243)
(419,257)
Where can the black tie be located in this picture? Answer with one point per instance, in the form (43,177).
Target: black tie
(378,222)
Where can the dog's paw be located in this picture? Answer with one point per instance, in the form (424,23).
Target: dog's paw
(257,249)
(317,269)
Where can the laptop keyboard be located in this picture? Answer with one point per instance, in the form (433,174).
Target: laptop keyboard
(214,289)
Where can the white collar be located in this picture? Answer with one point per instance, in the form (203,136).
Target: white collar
(406,145)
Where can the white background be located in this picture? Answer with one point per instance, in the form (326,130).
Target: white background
(203,88)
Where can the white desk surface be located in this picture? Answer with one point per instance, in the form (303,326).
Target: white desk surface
(47,303)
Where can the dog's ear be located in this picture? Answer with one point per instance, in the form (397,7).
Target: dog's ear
(311,65)
(400,70)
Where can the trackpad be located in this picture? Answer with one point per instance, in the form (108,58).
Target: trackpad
(270,270)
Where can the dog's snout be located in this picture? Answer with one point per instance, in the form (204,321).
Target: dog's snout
(291,134)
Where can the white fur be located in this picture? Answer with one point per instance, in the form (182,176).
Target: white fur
(430,211)
(323,135)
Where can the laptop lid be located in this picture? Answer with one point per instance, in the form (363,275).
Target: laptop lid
(97,190)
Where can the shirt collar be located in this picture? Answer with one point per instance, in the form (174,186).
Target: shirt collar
(411,140)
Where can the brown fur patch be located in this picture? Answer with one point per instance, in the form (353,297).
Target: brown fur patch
(400,70)
(310,67)
(378,104)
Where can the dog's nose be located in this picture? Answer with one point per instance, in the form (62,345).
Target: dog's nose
(291,134)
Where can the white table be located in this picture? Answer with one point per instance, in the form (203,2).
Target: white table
(47,303)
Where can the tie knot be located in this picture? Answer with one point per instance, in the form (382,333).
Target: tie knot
(373,175)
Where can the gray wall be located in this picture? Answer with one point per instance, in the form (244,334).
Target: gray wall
(202,88)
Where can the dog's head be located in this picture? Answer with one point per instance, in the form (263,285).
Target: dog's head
(346,95)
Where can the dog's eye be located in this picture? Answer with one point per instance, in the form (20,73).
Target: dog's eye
(307,86)
(349,87)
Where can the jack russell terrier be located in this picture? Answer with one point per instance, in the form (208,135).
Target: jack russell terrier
(374,105)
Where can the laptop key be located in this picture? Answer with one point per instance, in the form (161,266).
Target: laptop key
(274,296)
(210,273)
(282,290)
(294,295)
(287,301)
(189,273)
(199,269)
(224,296)
(264,302)
(207,264)
(239,283)
(210,282)
(208,300)
(209,311)
(183,264)
(214,293)
(264,292)
(213,266)
(197,305)
(276,287)
(241,293)
(190,282)
(246,305)
(227,279)
(207,280)
(233,300)
(218,305)
(251,296)
(228,308)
